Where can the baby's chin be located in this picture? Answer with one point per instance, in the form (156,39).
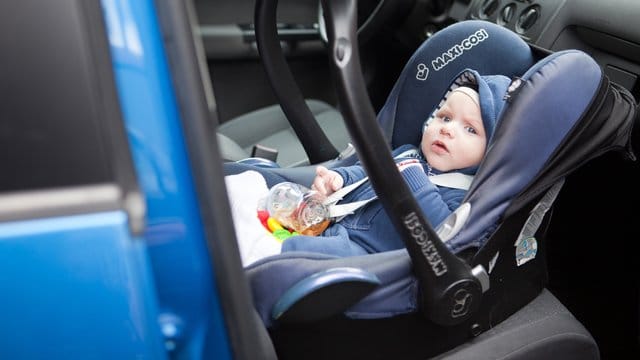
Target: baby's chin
(437,162)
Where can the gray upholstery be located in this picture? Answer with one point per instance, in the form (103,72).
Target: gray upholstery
(269,127)
(544,329)
(230,150)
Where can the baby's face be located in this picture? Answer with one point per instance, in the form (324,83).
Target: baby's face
(455,138)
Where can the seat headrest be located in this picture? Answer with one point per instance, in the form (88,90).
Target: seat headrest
(475,44)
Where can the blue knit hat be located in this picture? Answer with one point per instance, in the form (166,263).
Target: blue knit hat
(491,90)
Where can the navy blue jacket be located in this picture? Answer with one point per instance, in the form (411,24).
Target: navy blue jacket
(369,229)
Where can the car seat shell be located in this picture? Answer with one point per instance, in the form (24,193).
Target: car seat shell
(307,264)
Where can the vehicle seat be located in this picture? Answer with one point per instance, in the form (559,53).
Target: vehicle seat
(269,128)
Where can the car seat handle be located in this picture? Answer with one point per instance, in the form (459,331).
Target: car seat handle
(451,291)
(312,137)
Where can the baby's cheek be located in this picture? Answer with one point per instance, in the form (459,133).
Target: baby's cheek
(425,151)
(424,143)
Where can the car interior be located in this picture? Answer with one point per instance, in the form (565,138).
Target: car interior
(545,26)
(122,118)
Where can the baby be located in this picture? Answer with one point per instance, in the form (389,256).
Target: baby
(454,140)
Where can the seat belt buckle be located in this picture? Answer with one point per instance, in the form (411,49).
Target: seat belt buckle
(264,152)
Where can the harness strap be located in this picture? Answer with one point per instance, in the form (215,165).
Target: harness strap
(452,180)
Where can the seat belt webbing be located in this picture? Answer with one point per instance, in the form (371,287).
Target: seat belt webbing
(451,180)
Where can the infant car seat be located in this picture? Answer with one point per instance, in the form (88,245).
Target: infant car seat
(420,301)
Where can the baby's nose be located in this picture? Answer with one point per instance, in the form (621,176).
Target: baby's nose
(445,129)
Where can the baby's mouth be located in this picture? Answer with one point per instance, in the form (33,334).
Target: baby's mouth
(439,147)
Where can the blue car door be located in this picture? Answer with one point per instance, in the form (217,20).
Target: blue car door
(106,248)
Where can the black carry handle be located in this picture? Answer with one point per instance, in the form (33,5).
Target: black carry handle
(450,292)
(313,139)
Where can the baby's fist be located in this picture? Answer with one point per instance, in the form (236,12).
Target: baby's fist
(327,181)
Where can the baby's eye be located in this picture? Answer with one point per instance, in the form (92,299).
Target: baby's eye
(471,130)
(445,118)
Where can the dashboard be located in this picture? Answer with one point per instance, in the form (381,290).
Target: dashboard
(605,30)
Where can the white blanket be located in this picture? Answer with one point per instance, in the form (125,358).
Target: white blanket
(254,241)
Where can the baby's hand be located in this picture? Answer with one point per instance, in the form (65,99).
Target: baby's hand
(327,181)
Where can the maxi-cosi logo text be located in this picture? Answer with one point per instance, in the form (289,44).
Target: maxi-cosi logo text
(453,52)
(458,49)
(427,248)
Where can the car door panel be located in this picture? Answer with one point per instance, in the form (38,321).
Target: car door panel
(83,267)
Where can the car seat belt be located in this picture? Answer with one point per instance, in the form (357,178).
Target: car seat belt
(453,180)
